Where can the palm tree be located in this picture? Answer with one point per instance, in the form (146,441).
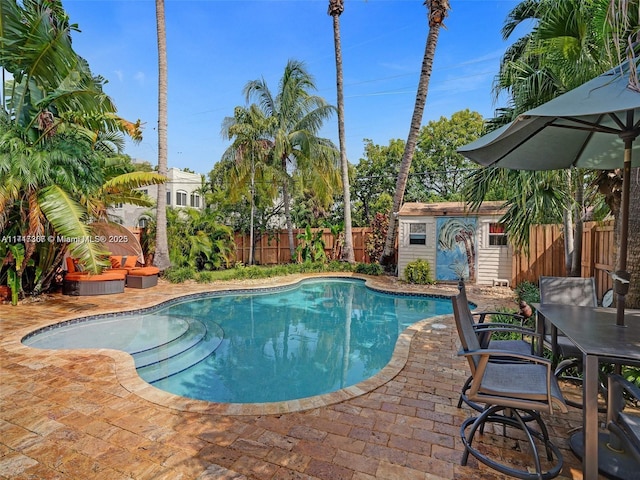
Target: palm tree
(438,11)
(296,116)
(564,49)
(250,155)
(541,198)
(54,124)
(623,20)
(161,257)
(336,7)
(623,17)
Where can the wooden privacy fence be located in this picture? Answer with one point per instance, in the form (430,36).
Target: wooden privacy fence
(273,249)
(546,252)
(546,255)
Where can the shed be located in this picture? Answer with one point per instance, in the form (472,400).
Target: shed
(457,242)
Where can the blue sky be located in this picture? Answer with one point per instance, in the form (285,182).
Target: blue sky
(215,47)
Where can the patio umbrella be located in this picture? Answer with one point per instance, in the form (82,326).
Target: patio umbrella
(593,126)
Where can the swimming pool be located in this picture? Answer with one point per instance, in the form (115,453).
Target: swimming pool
(268,345)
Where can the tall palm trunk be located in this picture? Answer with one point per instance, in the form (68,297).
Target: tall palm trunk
(161,257)
(438,10)
(578,215)
(253,207)
(633,242)
(286,198)
(568,226)
(336,7)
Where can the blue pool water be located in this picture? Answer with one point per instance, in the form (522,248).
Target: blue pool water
(252,347)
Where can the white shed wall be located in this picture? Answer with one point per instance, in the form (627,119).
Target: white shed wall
(494,262)
(408,253)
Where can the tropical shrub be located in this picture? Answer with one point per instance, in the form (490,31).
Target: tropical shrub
(419,272)
(338,266)
(528,292)
(196,239)
(311,246)
(374,244)
(60,139)
(369,268)
(179,274)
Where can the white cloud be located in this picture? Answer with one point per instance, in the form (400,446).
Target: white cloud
(119,74)
(139,77)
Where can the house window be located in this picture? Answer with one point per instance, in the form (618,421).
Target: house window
(143,222)
(181,198)
(195,200)
(417,234)
(168,197)
(118,205)
(497,235)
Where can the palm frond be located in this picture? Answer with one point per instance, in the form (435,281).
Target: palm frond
(129,181)
(68,220)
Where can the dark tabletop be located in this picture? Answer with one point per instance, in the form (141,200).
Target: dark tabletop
(594,330)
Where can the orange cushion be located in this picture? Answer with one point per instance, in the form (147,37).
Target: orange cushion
(130,261)
(144,271)
(115,261)
(73,266)
(116,270)
(76,275)
(82,277)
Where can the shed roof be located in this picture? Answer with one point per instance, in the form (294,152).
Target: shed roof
(442,209)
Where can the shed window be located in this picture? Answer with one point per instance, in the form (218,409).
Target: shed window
(497,235)
(418,234)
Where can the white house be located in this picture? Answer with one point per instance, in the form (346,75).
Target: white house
(182,192)
(455,241)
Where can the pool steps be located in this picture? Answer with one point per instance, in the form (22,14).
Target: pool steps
(191,347)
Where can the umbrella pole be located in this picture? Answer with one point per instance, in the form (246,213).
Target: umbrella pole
(624,232)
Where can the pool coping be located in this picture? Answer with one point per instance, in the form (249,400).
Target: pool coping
(129,379)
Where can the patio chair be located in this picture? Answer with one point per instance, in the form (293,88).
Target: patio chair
(515,389)
(567,291)
(623,424)
(484,331)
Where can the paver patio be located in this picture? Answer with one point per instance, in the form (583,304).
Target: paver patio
(86,415)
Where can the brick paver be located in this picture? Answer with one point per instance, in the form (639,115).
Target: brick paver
(85,414)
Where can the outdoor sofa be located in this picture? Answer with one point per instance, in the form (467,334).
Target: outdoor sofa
(124,271)
(79,282)
(137,277)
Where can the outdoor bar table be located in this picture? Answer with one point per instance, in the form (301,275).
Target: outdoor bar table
(595,333)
